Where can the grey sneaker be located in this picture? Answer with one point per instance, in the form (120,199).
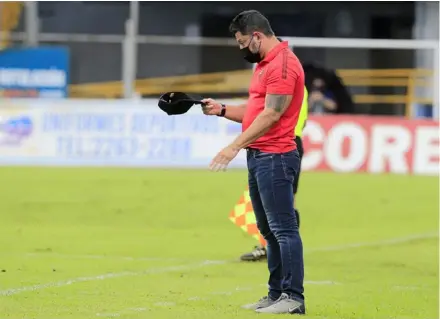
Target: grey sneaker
(258,254)
(284,305)
(262,303)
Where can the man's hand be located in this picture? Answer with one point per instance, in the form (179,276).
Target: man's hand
(233,113)
(316,96)
(221,161)
(211,107)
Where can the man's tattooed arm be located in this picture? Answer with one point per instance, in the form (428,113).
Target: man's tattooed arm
(275,106)
(278,102)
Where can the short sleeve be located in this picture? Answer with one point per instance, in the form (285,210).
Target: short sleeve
(281,78)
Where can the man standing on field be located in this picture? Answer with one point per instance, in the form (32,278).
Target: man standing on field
(275,96)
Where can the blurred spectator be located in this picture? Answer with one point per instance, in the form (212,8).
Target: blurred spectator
(321,99)
(327,93)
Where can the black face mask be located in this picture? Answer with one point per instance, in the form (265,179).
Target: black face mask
(249,55)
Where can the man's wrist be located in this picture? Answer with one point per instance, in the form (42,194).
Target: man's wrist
(236,144)
(222,112)
(235,147)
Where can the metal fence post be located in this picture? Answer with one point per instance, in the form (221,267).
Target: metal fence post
(32,23)
(127,61)
(129,51)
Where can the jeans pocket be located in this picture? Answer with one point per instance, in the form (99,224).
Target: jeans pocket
(291,154)
(290,163)
(263,155)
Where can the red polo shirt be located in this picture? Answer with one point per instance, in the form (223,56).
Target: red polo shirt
(279,73)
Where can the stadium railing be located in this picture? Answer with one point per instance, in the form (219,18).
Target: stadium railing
(235,82)
(403,83)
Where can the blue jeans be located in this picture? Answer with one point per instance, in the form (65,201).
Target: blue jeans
(271,192)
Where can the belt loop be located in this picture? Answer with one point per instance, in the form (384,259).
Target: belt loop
(248,153)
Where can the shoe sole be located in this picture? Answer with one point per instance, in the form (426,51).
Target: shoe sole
(253,260)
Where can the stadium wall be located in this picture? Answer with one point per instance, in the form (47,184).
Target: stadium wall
(138,134)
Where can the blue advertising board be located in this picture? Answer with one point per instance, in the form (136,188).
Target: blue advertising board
(136,133)
(41,72)
(75,132)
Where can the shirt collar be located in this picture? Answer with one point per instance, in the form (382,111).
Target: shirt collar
(274,52)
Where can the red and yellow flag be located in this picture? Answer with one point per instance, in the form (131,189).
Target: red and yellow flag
(243,216)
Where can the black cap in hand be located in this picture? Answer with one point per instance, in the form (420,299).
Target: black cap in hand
(176,103)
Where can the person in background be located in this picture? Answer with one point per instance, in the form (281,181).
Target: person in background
(260,252)
(327,92)
(321,99)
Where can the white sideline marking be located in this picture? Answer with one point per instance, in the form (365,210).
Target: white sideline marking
(108,314)
(221,293)
(118,314)
(315,282)
(322,282)
(196,298)
(243,288)
(137,309)
(240,289)
(14,291)
(165,304)
(386,242)
(408,287)
(381,243)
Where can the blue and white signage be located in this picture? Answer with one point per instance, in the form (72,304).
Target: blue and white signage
(114,133)
(40,72)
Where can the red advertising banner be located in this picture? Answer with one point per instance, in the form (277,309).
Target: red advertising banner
(371,144)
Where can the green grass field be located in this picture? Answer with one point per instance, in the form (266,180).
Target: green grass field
(132,243)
